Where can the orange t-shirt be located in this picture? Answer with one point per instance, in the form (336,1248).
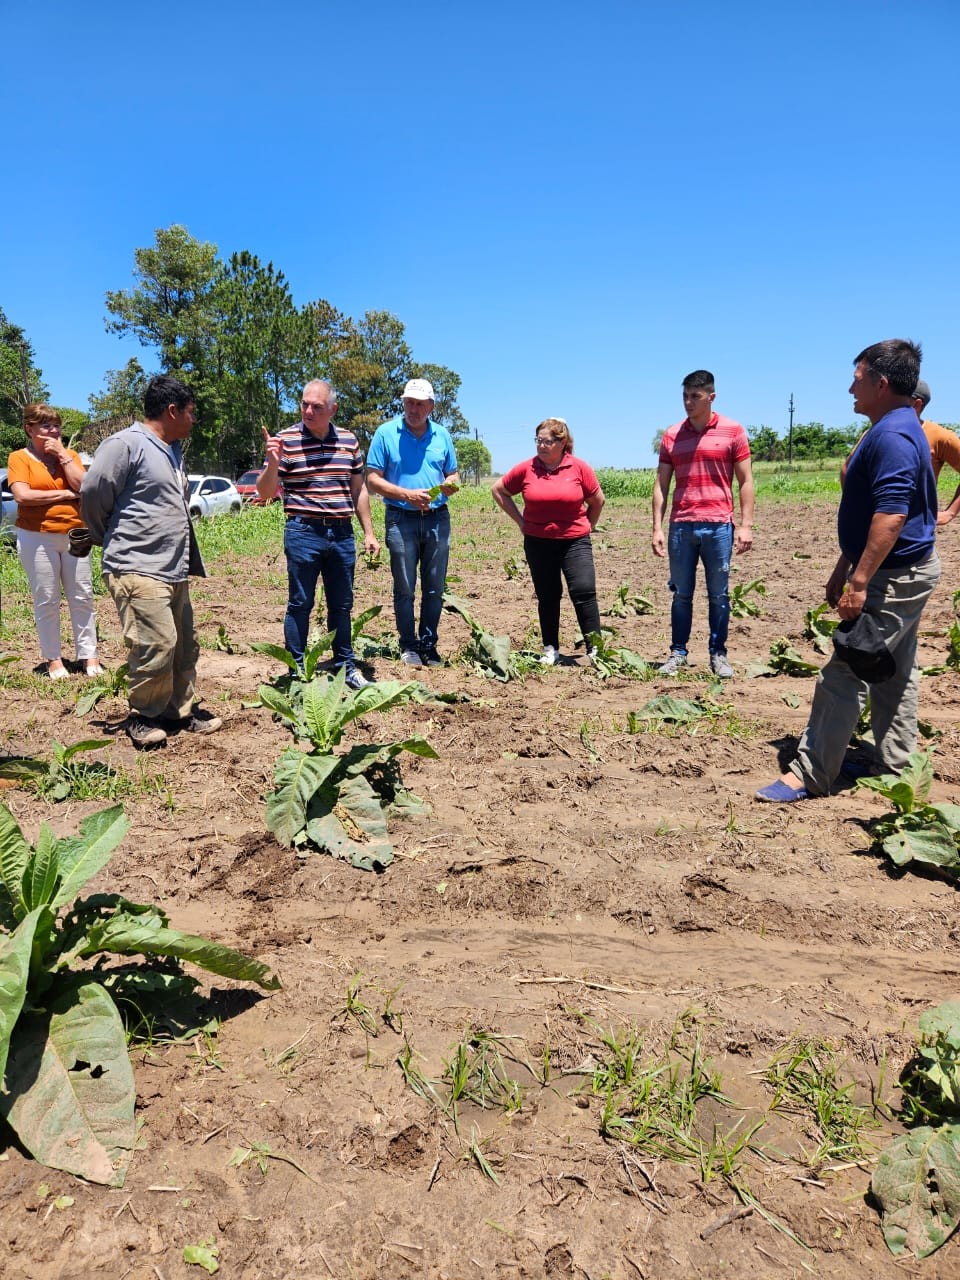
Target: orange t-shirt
(59,517)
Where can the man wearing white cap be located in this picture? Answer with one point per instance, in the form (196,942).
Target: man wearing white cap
(412,465)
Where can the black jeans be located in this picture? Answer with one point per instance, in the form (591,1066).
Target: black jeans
(548,558)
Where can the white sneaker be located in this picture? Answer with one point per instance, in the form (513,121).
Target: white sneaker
(720,666)
(411,658)
(673,663)
(549,656)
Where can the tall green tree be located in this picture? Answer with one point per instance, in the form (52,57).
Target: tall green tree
(233,332)
(473,459)
(122,397)
(172,309)
(369,362)
(20,383)
(262,354)
(766,445)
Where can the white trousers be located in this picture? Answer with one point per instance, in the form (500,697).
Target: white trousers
(48,566)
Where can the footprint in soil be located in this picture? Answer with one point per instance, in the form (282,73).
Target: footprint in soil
(558,1262)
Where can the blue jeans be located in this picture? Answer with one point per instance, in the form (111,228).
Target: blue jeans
(687,543)
(418,538)
(319,549)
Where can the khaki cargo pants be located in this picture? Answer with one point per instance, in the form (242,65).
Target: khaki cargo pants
(162,648)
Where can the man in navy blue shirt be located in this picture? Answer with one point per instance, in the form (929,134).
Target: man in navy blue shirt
(888,566)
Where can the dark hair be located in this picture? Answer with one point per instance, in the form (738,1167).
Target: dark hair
(39,414)
(699,378)
(897,360)
(165,390)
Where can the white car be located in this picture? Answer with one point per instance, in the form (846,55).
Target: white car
(212,496)
(8,510)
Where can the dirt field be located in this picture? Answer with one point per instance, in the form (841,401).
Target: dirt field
(573,880)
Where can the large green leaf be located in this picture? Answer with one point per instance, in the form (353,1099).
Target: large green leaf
(361,620)
(949,815)
(14,968)
(917,1184)
(23,769)
(88,744)
(362,756)
(944,1021)
(127,935)
(296,778)
(933,845)
(380,696)
(280,705)
(81,857)
(275,651)
(42,872)
(348,822)
(70,1086)
(14,855)
(671,710)
(323,709)
(492,653)
(919,774)
(316,651)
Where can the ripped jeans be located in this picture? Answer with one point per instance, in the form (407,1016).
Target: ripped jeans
(688,542)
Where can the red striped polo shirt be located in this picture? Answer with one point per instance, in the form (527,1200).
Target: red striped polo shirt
(315,474)
(703,467)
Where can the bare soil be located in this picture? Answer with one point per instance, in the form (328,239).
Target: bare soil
(571,875)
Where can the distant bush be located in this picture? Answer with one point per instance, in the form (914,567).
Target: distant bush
(627,483)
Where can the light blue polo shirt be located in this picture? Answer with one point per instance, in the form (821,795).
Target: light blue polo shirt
(410,463)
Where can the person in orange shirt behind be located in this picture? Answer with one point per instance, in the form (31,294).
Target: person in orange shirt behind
(45,479)
(944,448)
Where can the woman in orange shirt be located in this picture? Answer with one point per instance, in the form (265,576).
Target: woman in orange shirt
(45,479)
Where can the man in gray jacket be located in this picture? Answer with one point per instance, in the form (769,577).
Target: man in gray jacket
(134,502)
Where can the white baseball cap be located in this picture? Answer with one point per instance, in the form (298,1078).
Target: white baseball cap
(418,389)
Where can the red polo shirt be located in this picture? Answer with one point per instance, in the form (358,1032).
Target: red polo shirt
(703,467)
(553,500)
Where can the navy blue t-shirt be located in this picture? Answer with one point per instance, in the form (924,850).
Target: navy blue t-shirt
(890,472)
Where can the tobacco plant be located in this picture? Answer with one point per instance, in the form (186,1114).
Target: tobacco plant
(916,831)
(339,803)
(818,628)
(741,606)
(627,603)
(917,1178)
(68,1090)
(783,660)
(610,659)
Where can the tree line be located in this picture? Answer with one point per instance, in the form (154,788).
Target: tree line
(812,441)
(231,330)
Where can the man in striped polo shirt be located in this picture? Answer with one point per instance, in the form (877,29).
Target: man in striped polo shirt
(321,470)
(704,453)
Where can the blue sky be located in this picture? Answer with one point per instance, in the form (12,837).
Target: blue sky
(571,205)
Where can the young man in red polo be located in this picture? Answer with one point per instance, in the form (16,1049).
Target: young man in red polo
(704,452)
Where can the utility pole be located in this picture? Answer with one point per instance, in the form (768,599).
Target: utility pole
(790,445)
(476,462)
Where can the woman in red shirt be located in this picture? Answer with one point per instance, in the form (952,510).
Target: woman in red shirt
(45,479)
(562,501)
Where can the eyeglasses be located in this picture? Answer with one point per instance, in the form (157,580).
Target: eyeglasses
(544,442)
